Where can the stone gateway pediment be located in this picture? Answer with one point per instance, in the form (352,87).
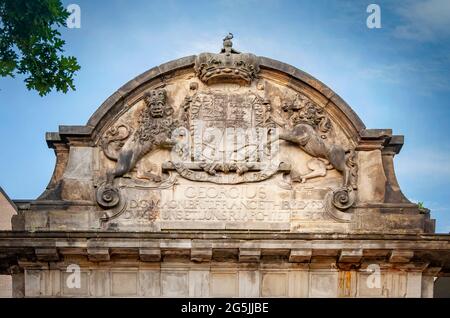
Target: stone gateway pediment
(223,175)
(226,141)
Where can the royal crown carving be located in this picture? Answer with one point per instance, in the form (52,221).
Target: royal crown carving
(228,66)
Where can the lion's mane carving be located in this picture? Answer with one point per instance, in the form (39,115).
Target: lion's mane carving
(155,127)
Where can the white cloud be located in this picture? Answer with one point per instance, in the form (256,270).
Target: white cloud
(426,20)
(424,162)
(429,75)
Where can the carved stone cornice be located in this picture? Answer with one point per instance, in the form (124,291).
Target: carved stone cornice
(70,135)
(392,251)
(373,139)
(382,139)
(393,145)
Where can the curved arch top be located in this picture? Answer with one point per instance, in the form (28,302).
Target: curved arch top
(96,120)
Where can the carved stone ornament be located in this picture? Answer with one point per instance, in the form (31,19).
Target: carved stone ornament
(301,110)
(114,139)
(307,127)
(155,127)
(228,140)
(226,135)
(107,196)
(229,66)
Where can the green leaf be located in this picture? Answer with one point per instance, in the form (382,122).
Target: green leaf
(31,44)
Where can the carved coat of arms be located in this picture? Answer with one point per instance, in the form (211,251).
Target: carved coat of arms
(226,135)
(229,141)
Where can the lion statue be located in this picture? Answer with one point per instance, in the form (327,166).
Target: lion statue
(154,131)
(326,156)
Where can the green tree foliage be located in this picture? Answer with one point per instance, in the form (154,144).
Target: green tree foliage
(30,44)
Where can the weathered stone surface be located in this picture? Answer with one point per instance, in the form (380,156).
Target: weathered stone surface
(427,286)
(150,283)
(46,254)
(372,180)
(150,254)
(124,283)
(224,284)
(274,285)
(414,285)
(401,256)
(32,283)
(370,285)
(98,254)
(249,283)
(99,283)
(351,256)
(174,284)
(347,283)
(199,283)
(6,286)
(201,254)
(300,256)
(249,255)
(7,211)
(323,284)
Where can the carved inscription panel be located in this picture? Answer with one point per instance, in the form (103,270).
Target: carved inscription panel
(255,206)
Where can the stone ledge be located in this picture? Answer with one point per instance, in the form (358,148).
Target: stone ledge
(47,254)
(221,235)
(351,256)
(247,258)
(201,254)
(98,254)
(319,250)
(249,255)
(150,254)
(400,256)
(300,256)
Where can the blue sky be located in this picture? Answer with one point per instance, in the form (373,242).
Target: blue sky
(395,77)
